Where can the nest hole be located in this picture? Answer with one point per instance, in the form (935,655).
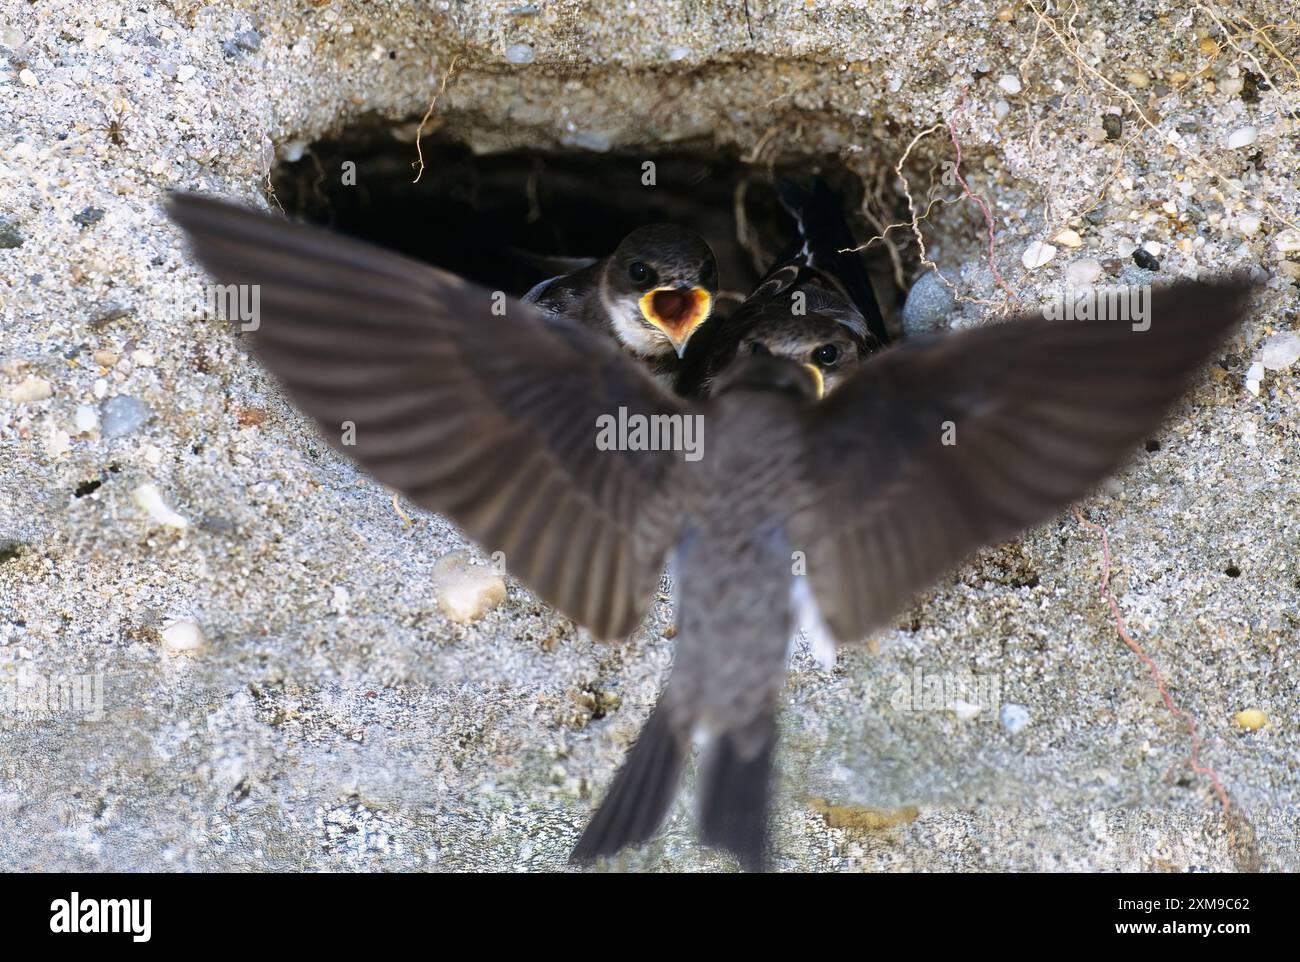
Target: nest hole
(499,219)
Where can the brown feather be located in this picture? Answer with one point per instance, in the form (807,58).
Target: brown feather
(490,420)
(1042,412)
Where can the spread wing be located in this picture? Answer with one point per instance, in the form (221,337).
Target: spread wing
(489,420)
(1037,413)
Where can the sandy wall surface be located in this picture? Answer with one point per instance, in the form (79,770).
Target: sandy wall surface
(280,687)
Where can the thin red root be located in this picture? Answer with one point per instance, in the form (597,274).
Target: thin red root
(988,215)
(1194,760)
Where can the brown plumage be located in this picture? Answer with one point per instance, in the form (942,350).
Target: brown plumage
(816,306)
(650,295)
(492,422)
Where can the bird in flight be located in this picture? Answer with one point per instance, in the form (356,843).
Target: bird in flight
(826,514)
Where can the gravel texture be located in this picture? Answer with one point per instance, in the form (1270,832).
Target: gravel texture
(280,688)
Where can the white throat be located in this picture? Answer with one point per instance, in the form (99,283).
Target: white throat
(631,328)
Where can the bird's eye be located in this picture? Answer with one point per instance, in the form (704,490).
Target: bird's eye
(826,355)
(708,273)
(638,272)
(759,349)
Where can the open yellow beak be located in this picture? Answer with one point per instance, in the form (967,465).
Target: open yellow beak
(821,381)
(677,311)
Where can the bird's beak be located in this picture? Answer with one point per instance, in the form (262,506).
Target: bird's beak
(821,381)
(677,311)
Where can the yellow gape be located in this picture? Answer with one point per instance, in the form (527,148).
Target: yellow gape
(821,381)
(677,311)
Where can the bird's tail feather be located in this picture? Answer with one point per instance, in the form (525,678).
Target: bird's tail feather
(640,795)
(828,244)
(734,789)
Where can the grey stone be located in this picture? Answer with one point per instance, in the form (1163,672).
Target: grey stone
(929,305)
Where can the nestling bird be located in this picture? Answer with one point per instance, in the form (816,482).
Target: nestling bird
(650,295)
(816,306)
(931,450)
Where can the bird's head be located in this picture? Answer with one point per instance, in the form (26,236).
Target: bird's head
(770,374)
(660,285)
(829,347)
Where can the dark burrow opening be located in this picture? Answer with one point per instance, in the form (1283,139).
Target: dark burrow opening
(491,217)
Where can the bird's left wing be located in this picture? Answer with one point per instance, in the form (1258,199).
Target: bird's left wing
(935,449)
(490,419)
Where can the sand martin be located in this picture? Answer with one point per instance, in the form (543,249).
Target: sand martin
(827,514)
(650,295)
(816,306)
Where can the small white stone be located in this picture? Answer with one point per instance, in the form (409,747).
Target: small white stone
(1010,83)
(86,419)
(339,601)
(1253,376)
(1068,238)
(182,635)
(1242,137)
(965,710)
(26,78)
(1000,109)
(143,358)
(1249,224)
(31,389)
(1231,85)
(57,443)
(99,389)
(519,53)
(1083,272)
(1280,351)
(678,53)
(1037,254)
(466,592)
(148,497)
(185,71)
(1126,247)
(291,151)
(1288,241)
(1013,717)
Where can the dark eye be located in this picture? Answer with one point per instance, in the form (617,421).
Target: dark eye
(708,274)
(826,355)
(759,349)
(638,272)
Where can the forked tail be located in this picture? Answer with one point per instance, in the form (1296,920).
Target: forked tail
(735,791)
(639,797)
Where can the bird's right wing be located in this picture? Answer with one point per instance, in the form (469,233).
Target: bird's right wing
(490,420)
(935,449)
